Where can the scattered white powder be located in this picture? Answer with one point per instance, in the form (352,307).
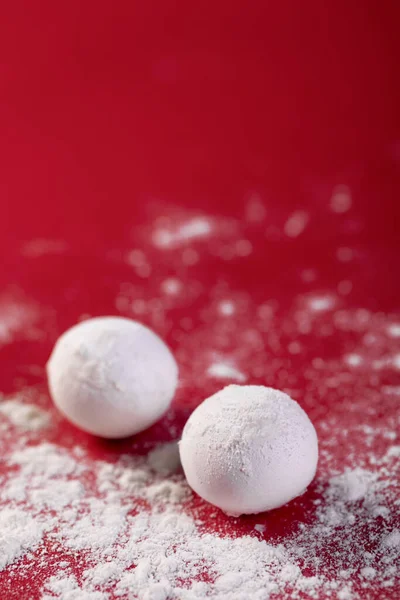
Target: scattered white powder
(353,485)
(67,588)
(130,526)
(38,466)
(320,304)
(226,308)
(97,529)
(63,493)
(14,318)
(394,330)
(171,286)
(19,532)
(296,223)
(137,259)
(44,459)
(162,552)
(167,491)
(391,389)
(396,361)
(392,540)
(355,502)
(353,360)
(164,459)
(24,416)
(368,572)
(195,228)
(341,200)
(394,451)
(223,370)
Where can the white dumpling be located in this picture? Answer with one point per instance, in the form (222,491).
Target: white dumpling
(248,449)
(112,376)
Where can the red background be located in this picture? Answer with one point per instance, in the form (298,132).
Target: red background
(106,107)
(107,103)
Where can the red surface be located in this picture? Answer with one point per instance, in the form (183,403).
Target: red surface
(112,114)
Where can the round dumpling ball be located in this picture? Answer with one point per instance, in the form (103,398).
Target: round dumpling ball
(111,376)
(248,449)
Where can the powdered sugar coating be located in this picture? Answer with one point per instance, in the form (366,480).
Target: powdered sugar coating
(111,376)
(248,449)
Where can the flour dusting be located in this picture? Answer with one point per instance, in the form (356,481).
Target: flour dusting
(198,227)
(24,416)
(238,299)
(161,551)
(223,370)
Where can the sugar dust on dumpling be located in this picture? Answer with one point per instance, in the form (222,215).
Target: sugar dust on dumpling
(248,449)
(112,376)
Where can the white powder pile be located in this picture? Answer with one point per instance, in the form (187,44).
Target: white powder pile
(156,553)
(321,303)
(19,533)
(132,523)
(15,317)
(394,330)
(198,227)
(225,370)
(44,478)
(164,459)
(126,527)
(67,588)
(24,416)
(226,308)
(171,286)
(351,525)
(353,360)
